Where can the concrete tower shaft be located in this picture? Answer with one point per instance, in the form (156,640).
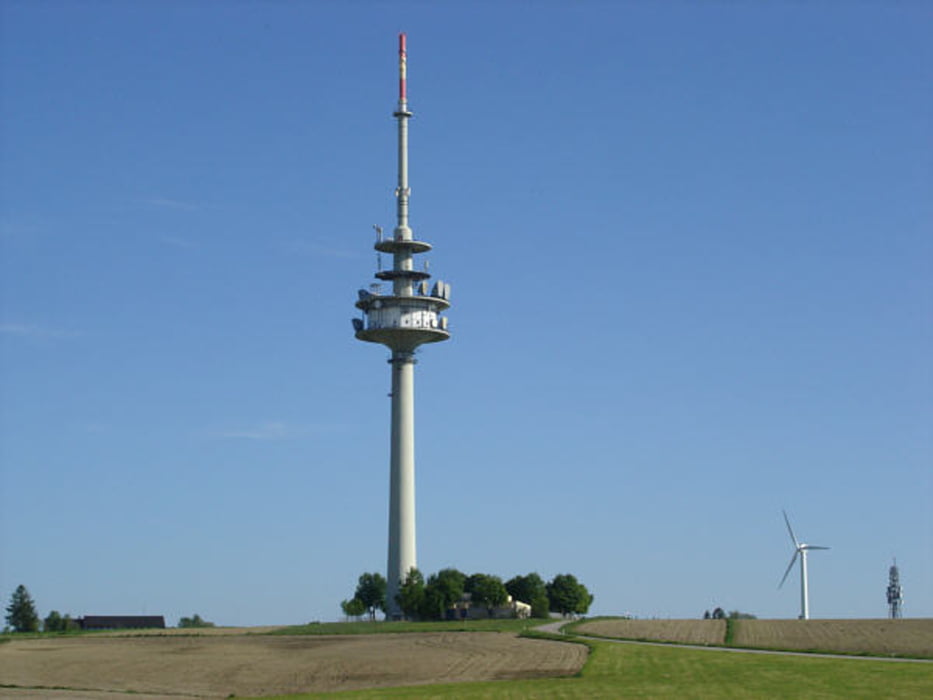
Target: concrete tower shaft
(403,320)
(402,538)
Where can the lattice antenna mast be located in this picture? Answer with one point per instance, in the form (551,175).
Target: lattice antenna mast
(408,317)
(895,593)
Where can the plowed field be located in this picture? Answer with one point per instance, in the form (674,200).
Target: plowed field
(680,631)
(912,637)
(93,667)
(877,637)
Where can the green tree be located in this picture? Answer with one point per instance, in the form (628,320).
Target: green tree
(371,589)
(568,596)
(470,582)
(193,622)
(739,615)
(441,591)
(432,605)
(53,622)
(541,606)
(21,613)
(532,590)
(353,608)
(526,588)
(410,596)
(488,590)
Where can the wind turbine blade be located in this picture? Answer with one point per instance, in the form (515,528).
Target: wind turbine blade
(813,546)
(790,530)
(789,567)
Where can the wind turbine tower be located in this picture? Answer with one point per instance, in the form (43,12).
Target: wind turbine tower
(895,593)
(800,549)
(404,319)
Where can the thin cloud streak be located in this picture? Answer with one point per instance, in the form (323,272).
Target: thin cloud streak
(274,430)
(22,330)
(177,242)
(166,203)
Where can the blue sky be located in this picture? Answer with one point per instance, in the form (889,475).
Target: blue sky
(690,250)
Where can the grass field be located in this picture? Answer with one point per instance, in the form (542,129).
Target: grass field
(634,671)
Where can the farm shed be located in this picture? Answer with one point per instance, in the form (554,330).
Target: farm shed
(121,622)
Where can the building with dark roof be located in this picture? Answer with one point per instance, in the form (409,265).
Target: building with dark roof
(121,622)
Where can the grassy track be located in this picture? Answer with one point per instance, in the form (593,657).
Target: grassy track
(634,671)
(325,628)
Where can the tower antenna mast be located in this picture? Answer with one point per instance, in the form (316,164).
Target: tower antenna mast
(408,317)
(895,593)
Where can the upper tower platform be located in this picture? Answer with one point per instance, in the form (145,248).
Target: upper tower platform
(411,315)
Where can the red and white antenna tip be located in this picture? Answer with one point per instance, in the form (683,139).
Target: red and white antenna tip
(402,68)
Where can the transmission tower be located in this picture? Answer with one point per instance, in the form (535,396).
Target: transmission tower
(403,320)
(895,593)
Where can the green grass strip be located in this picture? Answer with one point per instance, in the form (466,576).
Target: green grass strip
(730,631)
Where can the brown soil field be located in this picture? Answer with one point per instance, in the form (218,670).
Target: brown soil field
(911,637)
(877,637)
(680,631)
(95,667)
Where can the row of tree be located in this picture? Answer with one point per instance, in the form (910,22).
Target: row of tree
(720,614)
(21,615)
(430,599)
(194,621)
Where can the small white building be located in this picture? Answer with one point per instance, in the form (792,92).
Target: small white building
(465,609)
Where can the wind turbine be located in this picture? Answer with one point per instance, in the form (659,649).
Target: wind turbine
(801,549)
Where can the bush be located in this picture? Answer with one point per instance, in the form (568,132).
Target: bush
(194,621)
(354,608)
